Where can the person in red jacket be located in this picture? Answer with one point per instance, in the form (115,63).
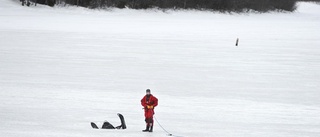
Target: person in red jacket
(149,102)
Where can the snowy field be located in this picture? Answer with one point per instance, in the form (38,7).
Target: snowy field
(61,68)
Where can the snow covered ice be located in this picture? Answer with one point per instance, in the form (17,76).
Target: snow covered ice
(64,67)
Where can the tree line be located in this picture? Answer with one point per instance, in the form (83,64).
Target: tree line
(212,5)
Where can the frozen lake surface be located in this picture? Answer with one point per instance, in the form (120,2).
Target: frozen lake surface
(64,67)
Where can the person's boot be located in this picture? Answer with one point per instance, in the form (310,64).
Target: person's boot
(151,128)
(147,129)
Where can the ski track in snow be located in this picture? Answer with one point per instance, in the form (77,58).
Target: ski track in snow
(64,67)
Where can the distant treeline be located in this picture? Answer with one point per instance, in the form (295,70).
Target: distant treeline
(212,5)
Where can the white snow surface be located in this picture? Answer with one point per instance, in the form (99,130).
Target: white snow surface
(64,67)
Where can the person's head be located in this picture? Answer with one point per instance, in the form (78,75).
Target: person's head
(148,91)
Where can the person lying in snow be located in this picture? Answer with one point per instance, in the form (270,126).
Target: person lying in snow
(107,125)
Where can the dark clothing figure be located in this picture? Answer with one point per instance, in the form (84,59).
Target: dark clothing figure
(107,125)
(149,102)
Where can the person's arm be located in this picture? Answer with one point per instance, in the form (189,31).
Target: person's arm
(155,102)
(143,103)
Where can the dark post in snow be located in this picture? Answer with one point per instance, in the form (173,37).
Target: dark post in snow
(237,41)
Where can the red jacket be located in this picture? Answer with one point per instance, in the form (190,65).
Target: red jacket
(151,101)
